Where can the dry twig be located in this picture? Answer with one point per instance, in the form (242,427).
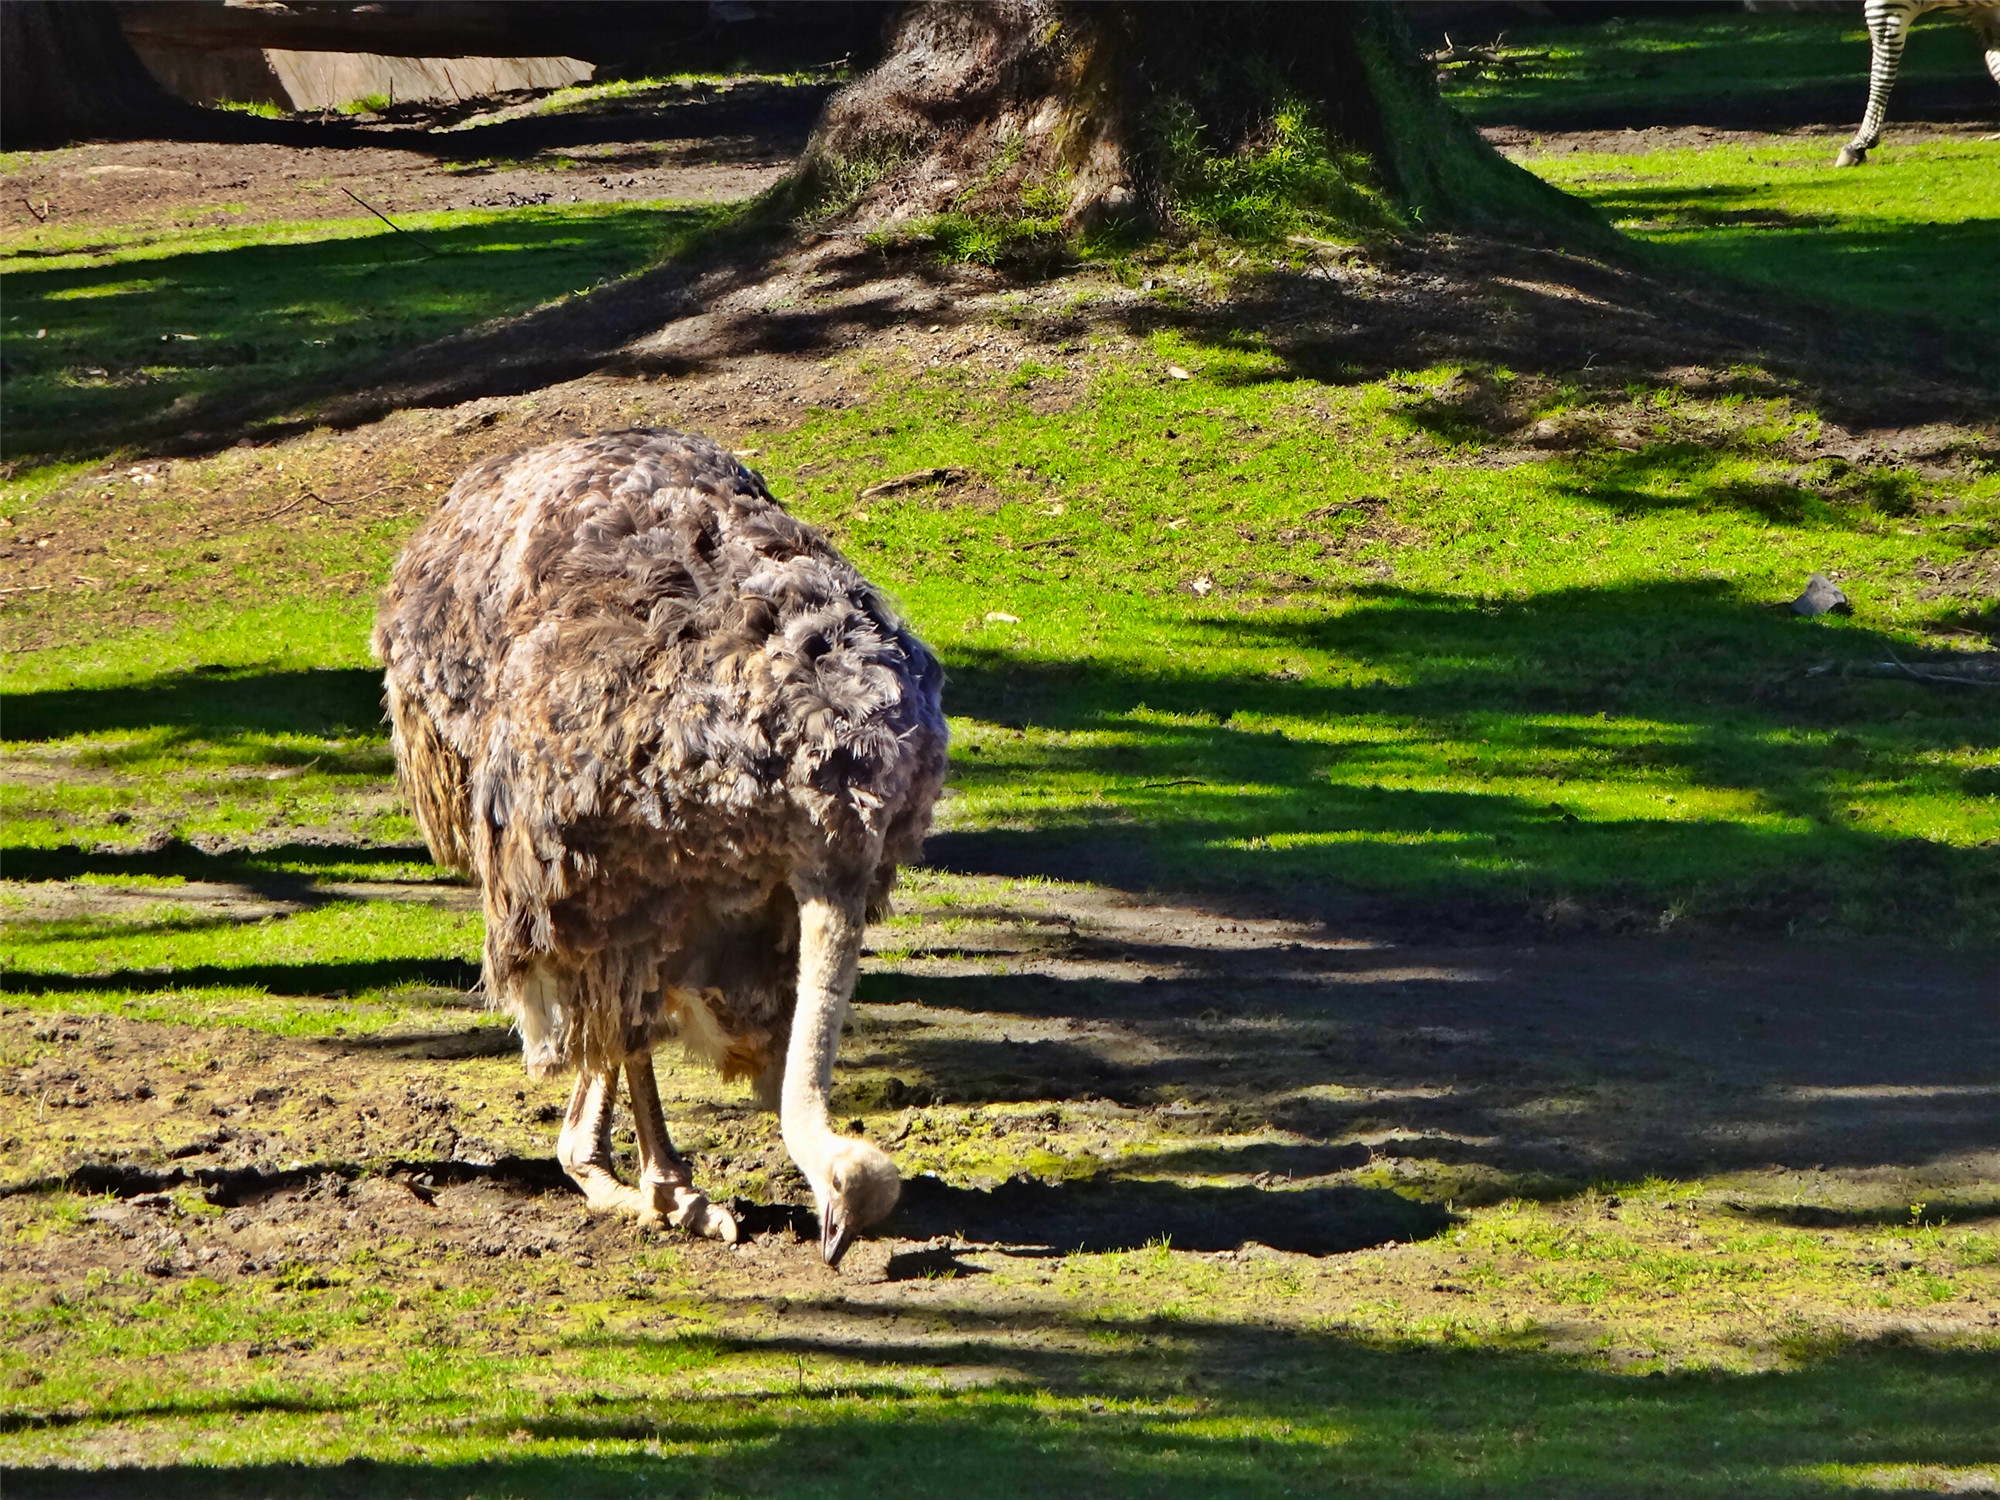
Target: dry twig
(911,481)
(422,243)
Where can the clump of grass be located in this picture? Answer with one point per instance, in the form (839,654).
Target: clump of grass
(983,239)
(367,104)
(669,86)
(1290,179)
(985,235)
(263,109)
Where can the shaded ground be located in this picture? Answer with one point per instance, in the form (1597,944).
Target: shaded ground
(694,145)
(1770,73)
(1629,139)
(1963,104)
(1212,1078)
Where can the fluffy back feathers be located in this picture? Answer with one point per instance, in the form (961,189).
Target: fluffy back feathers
(633,696)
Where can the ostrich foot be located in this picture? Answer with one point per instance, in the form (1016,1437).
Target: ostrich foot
(666,1190)
(665,1183)
(1851,156)
(584,1146)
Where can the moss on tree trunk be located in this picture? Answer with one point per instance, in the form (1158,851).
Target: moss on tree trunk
(1080,116)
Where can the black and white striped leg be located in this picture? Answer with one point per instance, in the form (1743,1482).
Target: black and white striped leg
(1888,25)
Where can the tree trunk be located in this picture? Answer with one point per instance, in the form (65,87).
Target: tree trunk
(1106,112)
(67,73)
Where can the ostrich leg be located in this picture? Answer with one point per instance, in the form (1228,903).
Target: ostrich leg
(584,1146)
(666,1187)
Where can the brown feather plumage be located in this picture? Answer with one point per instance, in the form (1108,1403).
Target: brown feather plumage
(634,698)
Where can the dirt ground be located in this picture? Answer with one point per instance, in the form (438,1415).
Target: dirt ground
(1229,1080)
(699,146)
(1637,140)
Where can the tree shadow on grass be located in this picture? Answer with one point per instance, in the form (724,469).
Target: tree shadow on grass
(207,703)
(1665,693)
(1191,1406)
(139,350)
(1033,1218)
(1867,265)
(1763,73)
(303,980)
(1590,1061)
(282,872)
(1517,714)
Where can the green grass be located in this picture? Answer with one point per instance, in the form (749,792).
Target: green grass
(1588,634)
(1910,239)
(275,974)
(1464,683)
(1705,66)
(583,98)
(1915,234)
(412,1388)
(263,109)
(111,335)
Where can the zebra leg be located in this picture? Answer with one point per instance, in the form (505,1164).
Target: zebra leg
(1987,23)
(1888,24)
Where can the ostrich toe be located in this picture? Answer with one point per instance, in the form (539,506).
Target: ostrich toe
(693,1212)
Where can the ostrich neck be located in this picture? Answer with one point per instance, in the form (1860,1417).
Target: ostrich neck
(829,948)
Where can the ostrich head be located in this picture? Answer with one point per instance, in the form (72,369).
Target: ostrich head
(860,1188)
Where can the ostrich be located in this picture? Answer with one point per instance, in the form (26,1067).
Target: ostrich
(683,745)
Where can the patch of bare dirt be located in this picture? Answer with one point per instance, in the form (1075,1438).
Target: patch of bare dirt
(1964,101)
(205,185)
(1073,1070)
(699,147)
(1524,140)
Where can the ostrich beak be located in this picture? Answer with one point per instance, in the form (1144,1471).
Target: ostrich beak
(835,1235)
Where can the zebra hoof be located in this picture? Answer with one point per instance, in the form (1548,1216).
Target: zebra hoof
(1851,156)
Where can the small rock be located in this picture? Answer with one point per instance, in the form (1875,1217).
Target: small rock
(1202,586)
(1001,617)
(1821,597)
(1175,372)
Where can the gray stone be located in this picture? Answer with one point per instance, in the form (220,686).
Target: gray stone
(1821,597)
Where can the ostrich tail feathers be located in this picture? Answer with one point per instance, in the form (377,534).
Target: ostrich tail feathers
(434,778)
